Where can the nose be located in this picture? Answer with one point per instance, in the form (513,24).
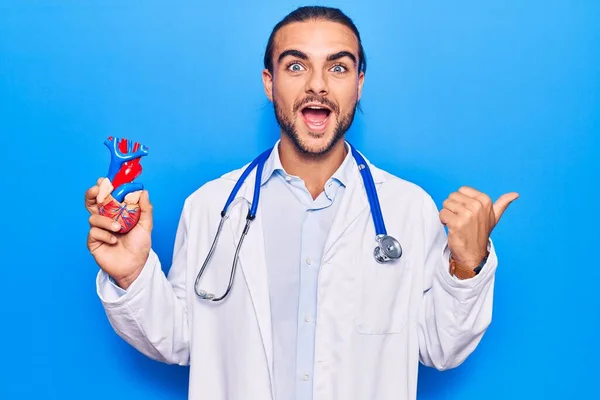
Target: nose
(317,83)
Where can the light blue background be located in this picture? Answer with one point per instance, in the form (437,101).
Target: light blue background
(500,95)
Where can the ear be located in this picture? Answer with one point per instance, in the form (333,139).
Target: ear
(361,80)
(268,83)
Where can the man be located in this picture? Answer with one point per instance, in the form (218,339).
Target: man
(311,314)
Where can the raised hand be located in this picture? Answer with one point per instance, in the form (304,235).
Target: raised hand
(120,214)
(470,217)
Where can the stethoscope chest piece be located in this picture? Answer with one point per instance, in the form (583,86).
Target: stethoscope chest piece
(388,249)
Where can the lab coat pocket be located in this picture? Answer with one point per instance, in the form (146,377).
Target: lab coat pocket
(383,298)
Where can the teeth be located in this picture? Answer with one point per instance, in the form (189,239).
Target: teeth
(319,123)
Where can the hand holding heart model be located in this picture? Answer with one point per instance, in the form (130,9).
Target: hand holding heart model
(118,195)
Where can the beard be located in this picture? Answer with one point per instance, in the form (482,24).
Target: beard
(287,125)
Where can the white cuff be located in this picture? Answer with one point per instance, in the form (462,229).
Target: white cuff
(111,294)
(107,288)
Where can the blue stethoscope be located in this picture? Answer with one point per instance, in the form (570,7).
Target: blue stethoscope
(387,248)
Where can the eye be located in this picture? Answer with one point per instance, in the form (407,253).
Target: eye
(338,68)
(295,67)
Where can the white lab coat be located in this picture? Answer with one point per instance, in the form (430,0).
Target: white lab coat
(374,322)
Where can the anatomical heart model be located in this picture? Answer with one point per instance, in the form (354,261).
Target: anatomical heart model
(119,196)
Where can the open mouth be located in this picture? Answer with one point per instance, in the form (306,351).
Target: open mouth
(316,116)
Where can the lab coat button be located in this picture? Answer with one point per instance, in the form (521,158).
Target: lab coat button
(305,377)
(308,261)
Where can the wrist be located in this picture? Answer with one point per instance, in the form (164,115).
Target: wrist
(466,269)
(470,263)
(126,281)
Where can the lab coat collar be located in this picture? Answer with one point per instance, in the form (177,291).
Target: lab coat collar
(273,165)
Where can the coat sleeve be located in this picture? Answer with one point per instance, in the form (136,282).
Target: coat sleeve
(454,314)
(151,315)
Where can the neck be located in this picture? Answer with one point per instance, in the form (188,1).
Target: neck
(313,170)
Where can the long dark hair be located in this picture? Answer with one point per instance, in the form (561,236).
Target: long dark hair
(306,13)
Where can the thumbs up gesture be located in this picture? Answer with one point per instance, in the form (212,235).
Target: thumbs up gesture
(470,217)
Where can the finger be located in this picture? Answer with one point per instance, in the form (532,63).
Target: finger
(90,199)
(91,195)
(452,205)
(502,204)
(104,222)
(101,235)
(447,217)
(467,203)
(469,191)
(476,194)
(145,211)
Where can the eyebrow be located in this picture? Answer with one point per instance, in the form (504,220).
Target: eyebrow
(342,54)
(303,56)
(292,53)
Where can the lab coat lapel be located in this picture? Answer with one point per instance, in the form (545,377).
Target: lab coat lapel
(252,262)
(353,203)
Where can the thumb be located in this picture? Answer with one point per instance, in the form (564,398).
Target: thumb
(502,204)
(145,211)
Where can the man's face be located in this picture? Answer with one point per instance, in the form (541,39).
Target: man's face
(315,85)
